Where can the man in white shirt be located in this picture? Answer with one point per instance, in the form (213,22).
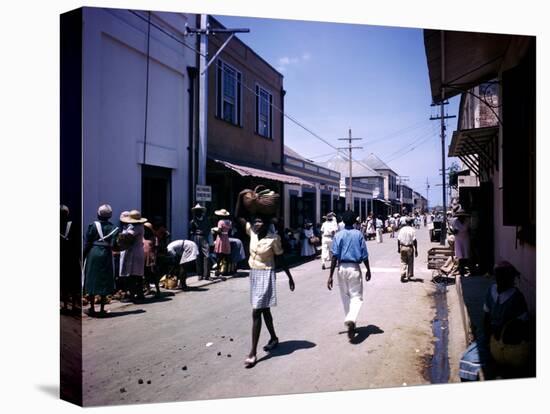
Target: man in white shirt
(328,230)
(406,246)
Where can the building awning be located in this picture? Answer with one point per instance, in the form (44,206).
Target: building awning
(269,175)
(382,201)
(469,58)
(476,148)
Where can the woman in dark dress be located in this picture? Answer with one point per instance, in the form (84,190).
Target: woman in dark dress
(98,255)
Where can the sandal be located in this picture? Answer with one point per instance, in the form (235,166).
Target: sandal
(271,344)
(250,362)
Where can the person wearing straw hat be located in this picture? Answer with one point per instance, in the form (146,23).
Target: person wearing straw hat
(328,230)
(98,254)
(132,260)
(222,246)
(461,231)
(199,231)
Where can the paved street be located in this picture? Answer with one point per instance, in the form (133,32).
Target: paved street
(166,342)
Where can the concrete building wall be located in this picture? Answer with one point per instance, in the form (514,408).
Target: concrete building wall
(114,93)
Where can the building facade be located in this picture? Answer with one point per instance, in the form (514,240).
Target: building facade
(131,73)
(308,201)
(495,140)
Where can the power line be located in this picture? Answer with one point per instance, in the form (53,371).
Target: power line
(286,115)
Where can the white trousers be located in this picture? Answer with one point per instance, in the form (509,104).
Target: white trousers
(326,250)
(379,236)
(351,289)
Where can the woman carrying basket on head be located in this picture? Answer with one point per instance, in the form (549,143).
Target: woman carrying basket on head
(265,254)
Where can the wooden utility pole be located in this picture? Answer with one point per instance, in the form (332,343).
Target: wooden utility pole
(350,149)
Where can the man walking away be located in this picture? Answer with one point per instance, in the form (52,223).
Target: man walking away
(406,246)
(349,249)
(379,230)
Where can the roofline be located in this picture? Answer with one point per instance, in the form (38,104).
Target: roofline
(248,47)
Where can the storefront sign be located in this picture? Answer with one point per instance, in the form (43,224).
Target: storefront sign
(203,193)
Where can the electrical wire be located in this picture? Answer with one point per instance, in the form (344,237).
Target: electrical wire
(286,115)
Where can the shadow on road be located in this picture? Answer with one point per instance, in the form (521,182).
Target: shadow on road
(287,348)
(363,332)
(416,279)
(122,313)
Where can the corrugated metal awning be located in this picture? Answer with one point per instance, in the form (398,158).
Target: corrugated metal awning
(477,148)
(269,175)
(469,58)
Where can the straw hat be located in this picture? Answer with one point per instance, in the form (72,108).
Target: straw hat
(396,215)
(133,217)
(331,214)
(104,211)
(148,225)
(124,214)
(222,213)
(198,207)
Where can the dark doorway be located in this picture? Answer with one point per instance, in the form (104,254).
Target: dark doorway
(156,194)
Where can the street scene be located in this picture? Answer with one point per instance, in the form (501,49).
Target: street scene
(239,218)
(191,345)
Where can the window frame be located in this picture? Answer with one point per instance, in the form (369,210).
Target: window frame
(258,90)
(221,97)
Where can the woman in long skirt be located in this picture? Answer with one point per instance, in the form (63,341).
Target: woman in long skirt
(98,254)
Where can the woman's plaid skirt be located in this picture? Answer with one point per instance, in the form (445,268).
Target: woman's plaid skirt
(263,288)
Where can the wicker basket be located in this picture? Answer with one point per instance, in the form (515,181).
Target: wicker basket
(261,200)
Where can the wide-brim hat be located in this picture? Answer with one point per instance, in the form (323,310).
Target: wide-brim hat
(198,207)
(134,217)
(222,213)
(396,215)
(331,214)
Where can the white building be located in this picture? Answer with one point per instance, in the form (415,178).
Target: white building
(137,97)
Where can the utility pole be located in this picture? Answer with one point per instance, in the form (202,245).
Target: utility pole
(443,117)
(427,193)
(204,31)
(350,148)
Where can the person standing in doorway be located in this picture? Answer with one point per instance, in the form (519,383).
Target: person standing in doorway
(71,272)
(349,249)
(98,255)
(328,230)
(199,230)
(132,260)
(407,247)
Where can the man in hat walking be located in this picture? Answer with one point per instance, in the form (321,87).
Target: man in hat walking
(199,230)
(406,247)
(328,230)
(349,249)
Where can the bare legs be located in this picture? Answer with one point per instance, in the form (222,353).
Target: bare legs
(257,327)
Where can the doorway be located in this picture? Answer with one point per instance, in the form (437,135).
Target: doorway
(156,195)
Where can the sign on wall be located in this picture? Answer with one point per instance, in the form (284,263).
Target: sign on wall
(203,193)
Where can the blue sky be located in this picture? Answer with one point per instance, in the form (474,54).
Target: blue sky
(372,79)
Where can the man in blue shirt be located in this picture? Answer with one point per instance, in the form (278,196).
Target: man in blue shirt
(349,249)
